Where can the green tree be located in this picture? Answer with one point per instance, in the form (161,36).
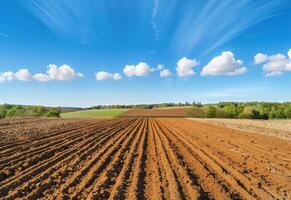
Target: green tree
(247,113)
(277,113)
(53,112)
(230,110)
(3,112)
(12,111)
(38,111)
(211,112)
(287,112)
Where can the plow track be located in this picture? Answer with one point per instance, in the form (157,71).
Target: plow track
(146,158)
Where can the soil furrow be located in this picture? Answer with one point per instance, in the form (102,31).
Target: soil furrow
(107,178)
(252,168)
(170,182)
(190,190)
(229,174)
(124,178)
(41,158)
(27,174)
(95,165)
(139,158)
(36,149)
(61,170)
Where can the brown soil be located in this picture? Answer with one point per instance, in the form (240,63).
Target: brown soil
(145,158)
(164,112)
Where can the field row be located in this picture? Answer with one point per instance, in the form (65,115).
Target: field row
(146,158)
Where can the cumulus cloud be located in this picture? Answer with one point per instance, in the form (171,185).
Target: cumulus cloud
(63,73)
(185,67)
(260,58)
(275,65)
(103,75)
(20,75)
(164,73)
(141,69)
(225,64)
(23,75)
(6,76)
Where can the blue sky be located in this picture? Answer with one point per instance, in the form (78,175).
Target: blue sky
(83,53)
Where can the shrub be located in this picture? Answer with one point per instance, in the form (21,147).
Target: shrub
(53,112)
(15,111)
(277,113)
(38,111)
(3,112)
(256,114)
(230,111)
(247,113)
(211,112)
(287,112)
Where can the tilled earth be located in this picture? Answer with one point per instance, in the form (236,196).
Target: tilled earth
(144,158)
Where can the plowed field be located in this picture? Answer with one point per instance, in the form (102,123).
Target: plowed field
(145,158)
(171,112)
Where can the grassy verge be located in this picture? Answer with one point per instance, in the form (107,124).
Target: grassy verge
(102,113)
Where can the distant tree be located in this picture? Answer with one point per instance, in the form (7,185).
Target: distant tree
(196,104)
(247,113)
(38,111)
(15,111)
(277,113)
(3,112)
(53,112)
(256,114)
(211,112)
(287,112)
(230,110)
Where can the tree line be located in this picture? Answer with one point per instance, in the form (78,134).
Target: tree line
(243,110)
(147,106)
(8,110)
(249,110)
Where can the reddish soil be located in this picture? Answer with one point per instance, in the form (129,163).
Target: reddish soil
(172,112)
(144,158)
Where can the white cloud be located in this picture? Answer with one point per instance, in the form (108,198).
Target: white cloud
(63,73)
(164,73)
(23,75)
(116,76)
(160,67)
(225,64)
(6,76)
(141,69)
(185,67)
(41,77)
(275,65)
(274,73)
(20,75)
(153,20)
(103,75)
(260,58)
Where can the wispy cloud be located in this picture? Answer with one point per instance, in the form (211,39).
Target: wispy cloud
(184,25)
(70,18)
(153,20)
(218,22)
